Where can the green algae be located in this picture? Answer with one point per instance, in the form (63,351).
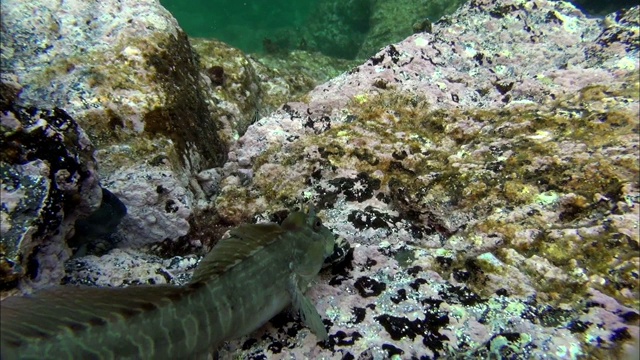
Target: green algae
(547,198)
(184,117)
(489,263)
(405,257)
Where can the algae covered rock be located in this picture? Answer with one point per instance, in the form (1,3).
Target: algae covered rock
(49,180)
(128,75)
(487,184)
(242,88)
(123,70)
(485,175)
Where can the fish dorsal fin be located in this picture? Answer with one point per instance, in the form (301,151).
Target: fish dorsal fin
(53,311)
(243,242)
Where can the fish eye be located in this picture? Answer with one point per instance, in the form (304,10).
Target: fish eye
(317,224)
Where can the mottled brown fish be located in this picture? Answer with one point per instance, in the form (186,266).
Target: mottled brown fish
(243,282)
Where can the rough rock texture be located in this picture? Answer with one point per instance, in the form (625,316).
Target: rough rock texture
(144,190)
(233,85)
(112,65)
(292,75)
(122,267)
(48,179)
(507,55)
(127,74)
(486,175)
(243,88)
(157,116)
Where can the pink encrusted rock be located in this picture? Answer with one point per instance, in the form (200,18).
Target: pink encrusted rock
(534,58)
(158,207)
(485,176)
(489,55)
(474,234)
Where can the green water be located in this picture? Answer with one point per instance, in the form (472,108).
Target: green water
(242,24)
(345,29)
(340,28)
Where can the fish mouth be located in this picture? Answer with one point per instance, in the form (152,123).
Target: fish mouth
(340,250)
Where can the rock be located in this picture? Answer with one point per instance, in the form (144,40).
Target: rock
(112,65)
(234,90)
(49,180)
(486,177)
(158,206)
(128,75)
(123,267)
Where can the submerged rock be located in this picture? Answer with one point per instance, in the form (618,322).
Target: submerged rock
(128,75)
(49,180)
(486,177)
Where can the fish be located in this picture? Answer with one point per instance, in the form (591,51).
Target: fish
(245,280)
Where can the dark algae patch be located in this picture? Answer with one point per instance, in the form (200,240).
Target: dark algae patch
(368,287)
(185,118)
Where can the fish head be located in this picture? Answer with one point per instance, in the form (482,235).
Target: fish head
(314,242)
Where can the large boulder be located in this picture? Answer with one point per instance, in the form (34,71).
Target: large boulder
(486,176)
(126,72)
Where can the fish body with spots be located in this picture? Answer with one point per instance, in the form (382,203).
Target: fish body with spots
(243,282)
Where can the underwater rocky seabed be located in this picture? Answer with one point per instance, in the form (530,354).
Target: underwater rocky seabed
(485,174)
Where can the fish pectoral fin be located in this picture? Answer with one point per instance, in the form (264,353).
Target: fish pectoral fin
(307,311)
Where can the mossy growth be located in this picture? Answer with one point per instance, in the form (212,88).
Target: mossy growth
(480,161)
(165,86)
(406,140)
(278,191)
(234,203)
(109,94)
(184,117)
